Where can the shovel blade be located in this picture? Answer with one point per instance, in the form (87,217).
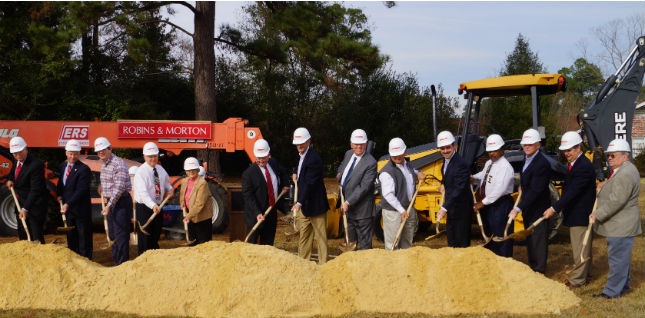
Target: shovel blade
(347,247)
(568,272)
(65,229)
(520,235)
(142,228)
(434,236)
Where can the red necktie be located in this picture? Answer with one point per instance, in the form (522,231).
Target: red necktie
(610,174)
(569,167)
(69,168)
(18,169)
(269,186)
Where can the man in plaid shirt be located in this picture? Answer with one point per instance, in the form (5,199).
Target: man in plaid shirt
(115,187)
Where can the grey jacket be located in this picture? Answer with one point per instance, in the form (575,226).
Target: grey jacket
(617,212)
(359,190)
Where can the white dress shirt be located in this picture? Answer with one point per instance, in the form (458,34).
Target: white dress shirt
(302,158)
(274,179)
(349,164)
(144,185)
(69,166)
(388,187)
(500,179)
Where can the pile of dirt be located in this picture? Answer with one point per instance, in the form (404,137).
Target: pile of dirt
(220,279)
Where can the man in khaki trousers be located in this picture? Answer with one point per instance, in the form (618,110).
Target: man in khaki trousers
(311,204)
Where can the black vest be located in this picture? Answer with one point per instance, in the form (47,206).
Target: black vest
(400,188)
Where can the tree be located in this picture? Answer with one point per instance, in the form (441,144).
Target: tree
(583,81)
(522,60)
(617,38)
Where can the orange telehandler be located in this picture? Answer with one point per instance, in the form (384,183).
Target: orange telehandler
(172,136)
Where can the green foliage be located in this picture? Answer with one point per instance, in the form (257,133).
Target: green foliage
(583,78)
(522,60)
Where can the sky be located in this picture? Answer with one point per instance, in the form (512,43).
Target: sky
(455,41)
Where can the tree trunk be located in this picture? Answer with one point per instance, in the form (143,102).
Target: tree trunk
(204,73)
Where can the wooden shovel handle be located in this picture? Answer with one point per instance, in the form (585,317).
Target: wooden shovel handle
(398,233)
(24,223)
(257,224)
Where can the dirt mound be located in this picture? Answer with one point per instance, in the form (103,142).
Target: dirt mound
(219,279)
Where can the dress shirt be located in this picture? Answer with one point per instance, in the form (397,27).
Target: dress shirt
(446,162)
(500,180)
(528,160)
(302,158)
(388,187)
(69,167)
(144,185)
(274,179)
(349,164)
(114,179)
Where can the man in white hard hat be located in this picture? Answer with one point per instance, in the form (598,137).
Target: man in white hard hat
(356,175)
(398,181)
(496,186)
(576,203)
(151,187)
(115,187)
(73,191)
(27,177)
(534,182)
(311,204)
(458,200)
(262,183)
(617,217)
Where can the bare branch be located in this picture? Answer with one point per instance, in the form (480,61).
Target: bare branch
(186,4)
(171,24)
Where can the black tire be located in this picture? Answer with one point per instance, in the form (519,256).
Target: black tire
(8,221)
(220,207)
(378,223)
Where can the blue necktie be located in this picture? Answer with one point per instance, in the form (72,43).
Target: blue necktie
(349,172)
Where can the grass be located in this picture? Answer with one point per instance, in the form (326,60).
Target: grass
(630,305)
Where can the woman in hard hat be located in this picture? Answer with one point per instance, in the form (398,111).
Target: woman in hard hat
(617,217)
(195,197)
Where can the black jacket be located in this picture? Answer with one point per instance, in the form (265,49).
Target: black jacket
(254,191)
(76,191)
(535,188)
(30,186)
(458,199)
(311,186)
(578,193)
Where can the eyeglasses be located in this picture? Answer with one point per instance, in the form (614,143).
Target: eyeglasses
(612,156)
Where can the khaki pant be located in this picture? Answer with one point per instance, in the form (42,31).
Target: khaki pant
(307,227)
(577,234)
(391,224)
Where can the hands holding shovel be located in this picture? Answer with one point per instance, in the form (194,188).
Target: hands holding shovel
(479,218)
(260,220)
(105,211)
(156,210)
(511,217)
(63,210)
(406,214)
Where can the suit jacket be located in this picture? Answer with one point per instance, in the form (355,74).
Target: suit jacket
(200,204)
(254,190)
(458,199)
(535,188)
(30,186)
(76,191)
(578,194)
(311,186)
(617,212)
(359,188)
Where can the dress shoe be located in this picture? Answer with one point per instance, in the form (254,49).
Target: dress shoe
(603,295)
(572,286)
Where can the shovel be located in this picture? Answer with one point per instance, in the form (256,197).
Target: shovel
(257,224)
(510,218)
(188,241)
(348,246)
(24,223)
(584,244)
(105,223)
(64,228)
(479,221)
(152,217)
(134,240)
(521,234)
(438,233)
(398,233)
(295,228)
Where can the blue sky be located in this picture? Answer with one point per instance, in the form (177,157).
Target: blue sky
(454,42)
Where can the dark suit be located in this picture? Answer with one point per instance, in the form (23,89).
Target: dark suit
(32,195)
(458,201)
(76,194)
(535,200)
(359,193)
(256,201)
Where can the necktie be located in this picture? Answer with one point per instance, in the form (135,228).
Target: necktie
(569,167)
(157,185)
(18,169)
(349,172)
(611,173)
(483,189)
(69,168)
(269,187)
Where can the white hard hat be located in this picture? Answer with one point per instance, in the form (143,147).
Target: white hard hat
(445,138)
(261,148)
(202,171)
(17,144)
(300,136)
(72,145)
(396,147)
(494,142)
(570,139)
(132,170)
(191,163)
(101,143)
(530,137)
(618,145)
(150,149)
(358,137)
